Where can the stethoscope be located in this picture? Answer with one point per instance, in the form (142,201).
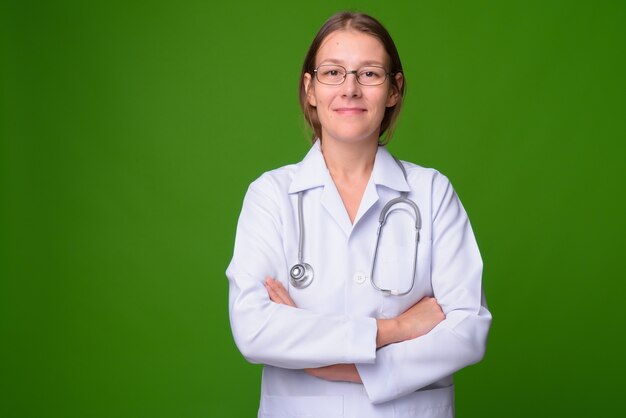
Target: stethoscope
(301,274)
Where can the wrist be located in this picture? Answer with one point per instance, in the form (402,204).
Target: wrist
(388,332)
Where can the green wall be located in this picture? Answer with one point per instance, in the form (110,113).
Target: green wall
(129,132)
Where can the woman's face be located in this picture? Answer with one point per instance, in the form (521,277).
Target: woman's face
(350,111)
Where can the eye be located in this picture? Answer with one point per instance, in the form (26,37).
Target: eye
(331,71)
(371,73)
(331,74)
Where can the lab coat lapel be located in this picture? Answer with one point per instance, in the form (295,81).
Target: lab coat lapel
(369,199)
(386,172)
(331,201)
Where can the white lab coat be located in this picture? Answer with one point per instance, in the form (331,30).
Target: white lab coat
(335,318)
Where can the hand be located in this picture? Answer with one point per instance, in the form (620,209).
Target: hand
(416,321)
(278,293)
(336,373)
(420,318)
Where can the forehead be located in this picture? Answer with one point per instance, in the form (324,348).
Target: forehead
(353,48)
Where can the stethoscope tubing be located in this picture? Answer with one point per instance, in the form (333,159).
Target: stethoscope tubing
(381,222)
(301,274)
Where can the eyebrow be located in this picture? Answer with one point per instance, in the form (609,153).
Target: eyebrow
(362,64)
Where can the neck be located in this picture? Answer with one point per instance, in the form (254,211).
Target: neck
(349,160)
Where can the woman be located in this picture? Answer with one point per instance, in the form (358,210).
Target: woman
(350,322)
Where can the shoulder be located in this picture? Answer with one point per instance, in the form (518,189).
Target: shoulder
(418,175)
(276,180)
(271,188)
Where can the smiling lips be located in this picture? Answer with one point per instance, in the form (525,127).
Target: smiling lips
(350,110)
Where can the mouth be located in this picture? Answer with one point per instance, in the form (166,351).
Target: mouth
(350,110)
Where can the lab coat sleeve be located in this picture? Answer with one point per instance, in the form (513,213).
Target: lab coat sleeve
(274,334)
(459,340)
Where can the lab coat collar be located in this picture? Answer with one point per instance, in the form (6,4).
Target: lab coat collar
(313,172)
(387,173)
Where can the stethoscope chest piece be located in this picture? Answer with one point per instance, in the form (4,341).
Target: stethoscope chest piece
(301,275)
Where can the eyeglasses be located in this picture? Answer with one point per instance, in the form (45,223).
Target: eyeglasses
(335,75)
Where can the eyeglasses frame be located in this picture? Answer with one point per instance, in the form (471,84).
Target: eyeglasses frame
(355,72)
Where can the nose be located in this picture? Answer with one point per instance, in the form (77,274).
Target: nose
(351,86)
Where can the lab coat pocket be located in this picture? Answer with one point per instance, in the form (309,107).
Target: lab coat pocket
(301,407)
(431,403)
(394,267)
(394,271)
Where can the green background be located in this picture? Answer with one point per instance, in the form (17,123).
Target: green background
(131,130)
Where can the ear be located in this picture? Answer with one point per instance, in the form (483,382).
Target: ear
(394,92)
(308,88)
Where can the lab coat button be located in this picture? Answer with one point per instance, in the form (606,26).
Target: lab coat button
(359,277)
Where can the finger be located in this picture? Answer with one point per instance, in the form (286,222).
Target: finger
(284,295)
(313,372)
(280,291)
(274,296)
(276,285)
